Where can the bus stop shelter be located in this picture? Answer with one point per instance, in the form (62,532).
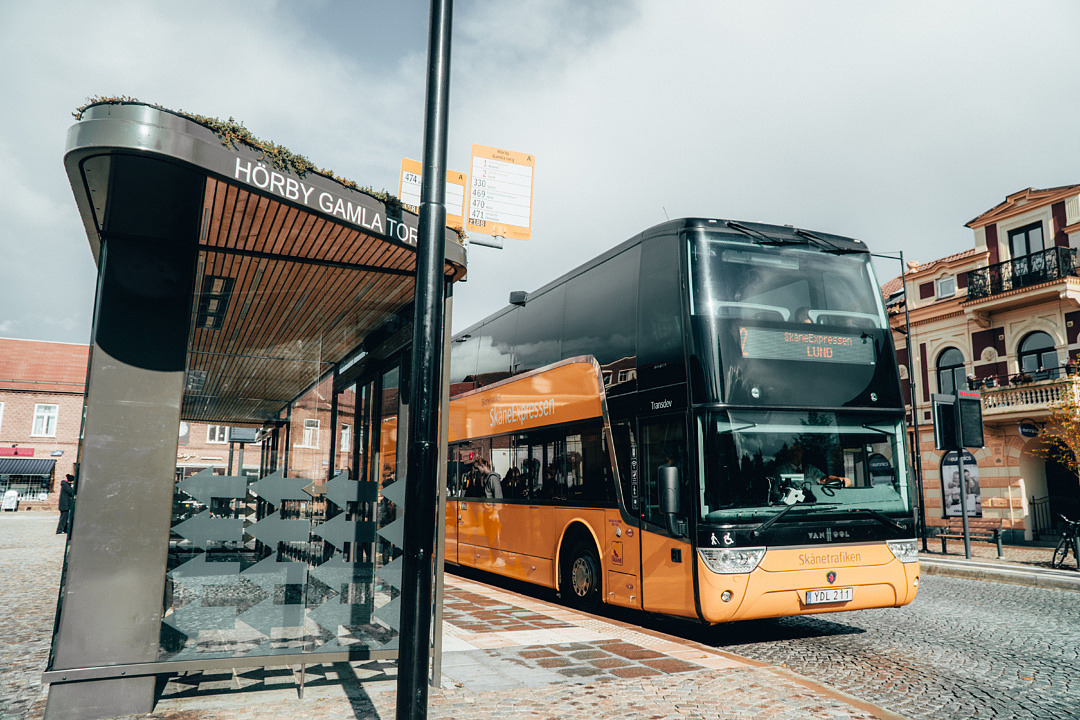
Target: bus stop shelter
(274,306)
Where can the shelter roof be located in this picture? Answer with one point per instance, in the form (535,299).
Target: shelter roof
(296,270)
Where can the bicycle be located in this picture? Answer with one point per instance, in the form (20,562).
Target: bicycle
(1066,543)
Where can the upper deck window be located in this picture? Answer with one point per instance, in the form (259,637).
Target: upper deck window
(786,284)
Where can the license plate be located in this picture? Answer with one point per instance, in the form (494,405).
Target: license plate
(829,595)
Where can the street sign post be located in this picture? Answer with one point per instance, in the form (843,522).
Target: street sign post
(958,425)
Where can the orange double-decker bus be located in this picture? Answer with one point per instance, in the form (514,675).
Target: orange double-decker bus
(705,421)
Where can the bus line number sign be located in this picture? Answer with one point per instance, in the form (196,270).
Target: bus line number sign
(500,193)
(411,180)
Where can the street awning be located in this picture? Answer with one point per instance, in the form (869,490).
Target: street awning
(26,466)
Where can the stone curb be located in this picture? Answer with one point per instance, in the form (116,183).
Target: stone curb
(1008,574)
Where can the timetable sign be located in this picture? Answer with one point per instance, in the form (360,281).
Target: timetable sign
(411,179)
(500,193)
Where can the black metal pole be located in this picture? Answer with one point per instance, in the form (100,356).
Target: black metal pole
(963,494)
(908,342)
(426,381)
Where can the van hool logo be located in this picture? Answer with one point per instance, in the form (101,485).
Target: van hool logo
(831,577)
(829,534)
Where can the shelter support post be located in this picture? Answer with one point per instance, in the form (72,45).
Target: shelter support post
(111,595)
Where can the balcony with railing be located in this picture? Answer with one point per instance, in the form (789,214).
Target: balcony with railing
(1051,264)
(1028,393)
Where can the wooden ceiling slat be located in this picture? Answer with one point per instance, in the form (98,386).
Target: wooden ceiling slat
(253,363)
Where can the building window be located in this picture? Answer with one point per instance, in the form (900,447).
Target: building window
(346,438)
(311,434)
(1026,241)
(946,287)
(950,371)
(45,420)
(1037,356)
(217,433)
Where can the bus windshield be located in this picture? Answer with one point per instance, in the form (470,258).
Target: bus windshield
(799,284)
(755,463)
(766,318)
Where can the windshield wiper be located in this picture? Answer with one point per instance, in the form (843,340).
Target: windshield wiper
(881,518)
(771,521)
(761,238)
(824,244)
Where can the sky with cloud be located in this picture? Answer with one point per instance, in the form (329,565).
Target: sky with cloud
(894,122)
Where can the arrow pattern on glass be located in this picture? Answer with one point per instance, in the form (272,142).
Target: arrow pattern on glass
(193,617)
(266,616)
(268,573)
(333,613)
(204,529)
(337,531)
(394,532)
(205,485)
(275,487)
(335,573)
(391,574)
(342,490)
(198,571)
(272,530)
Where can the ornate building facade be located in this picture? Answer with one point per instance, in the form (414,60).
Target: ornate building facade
(1002,318)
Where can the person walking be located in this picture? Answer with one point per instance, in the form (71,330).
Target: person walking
(67,501)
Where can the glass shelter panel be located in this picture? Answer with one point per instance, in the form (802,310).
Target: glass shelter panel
(273,553)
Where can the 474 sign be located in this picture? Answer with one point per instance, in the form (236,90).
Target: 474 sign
(500,193)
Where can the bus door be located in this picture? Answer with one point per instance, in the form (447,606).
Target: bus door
(456,473)
(622,540)
(472,536)
(667,558)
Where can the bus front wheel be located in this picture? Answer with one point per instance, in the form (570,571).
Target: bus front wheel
(581,577)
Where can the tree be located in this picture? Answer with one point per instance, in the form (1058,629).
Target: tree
(1061,431)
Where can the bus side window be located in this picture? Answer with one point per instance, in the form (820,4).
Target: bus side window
(586,466)
(663,442)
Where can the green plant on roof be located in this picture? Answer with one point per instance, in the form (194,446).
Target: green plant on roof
(233,133)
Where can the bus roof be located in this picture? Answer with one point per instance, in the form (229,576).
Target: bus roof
(743,231)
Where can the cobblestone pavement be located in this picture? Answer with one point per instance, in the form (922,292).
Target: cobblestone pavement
(963,649)
(31,555)
(504,655)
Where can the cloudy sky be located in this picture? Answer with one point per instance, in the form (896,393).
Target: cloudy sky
(891,121)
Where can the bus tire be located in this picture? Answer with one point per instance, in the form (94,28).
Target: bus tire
(581,580)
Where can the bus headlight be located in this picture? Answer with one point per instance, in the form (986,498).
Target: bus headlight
(728,561)
(906,551)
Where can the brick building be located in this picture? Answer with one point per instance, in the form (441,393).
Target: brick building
(42,391)
(41,401)
(1002,318)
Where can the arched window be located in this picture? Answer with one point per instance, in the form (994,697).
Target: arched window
(1037,356)
(950,371)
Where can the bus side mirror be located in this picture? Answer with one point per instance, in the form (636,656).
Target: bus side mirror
(668,476)
(670,506)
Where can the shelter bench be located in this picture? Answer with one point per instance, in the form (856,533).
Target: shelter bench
(980,529)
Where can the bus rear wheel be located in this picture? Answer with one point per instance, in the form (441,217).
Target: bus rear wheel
(581,577)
